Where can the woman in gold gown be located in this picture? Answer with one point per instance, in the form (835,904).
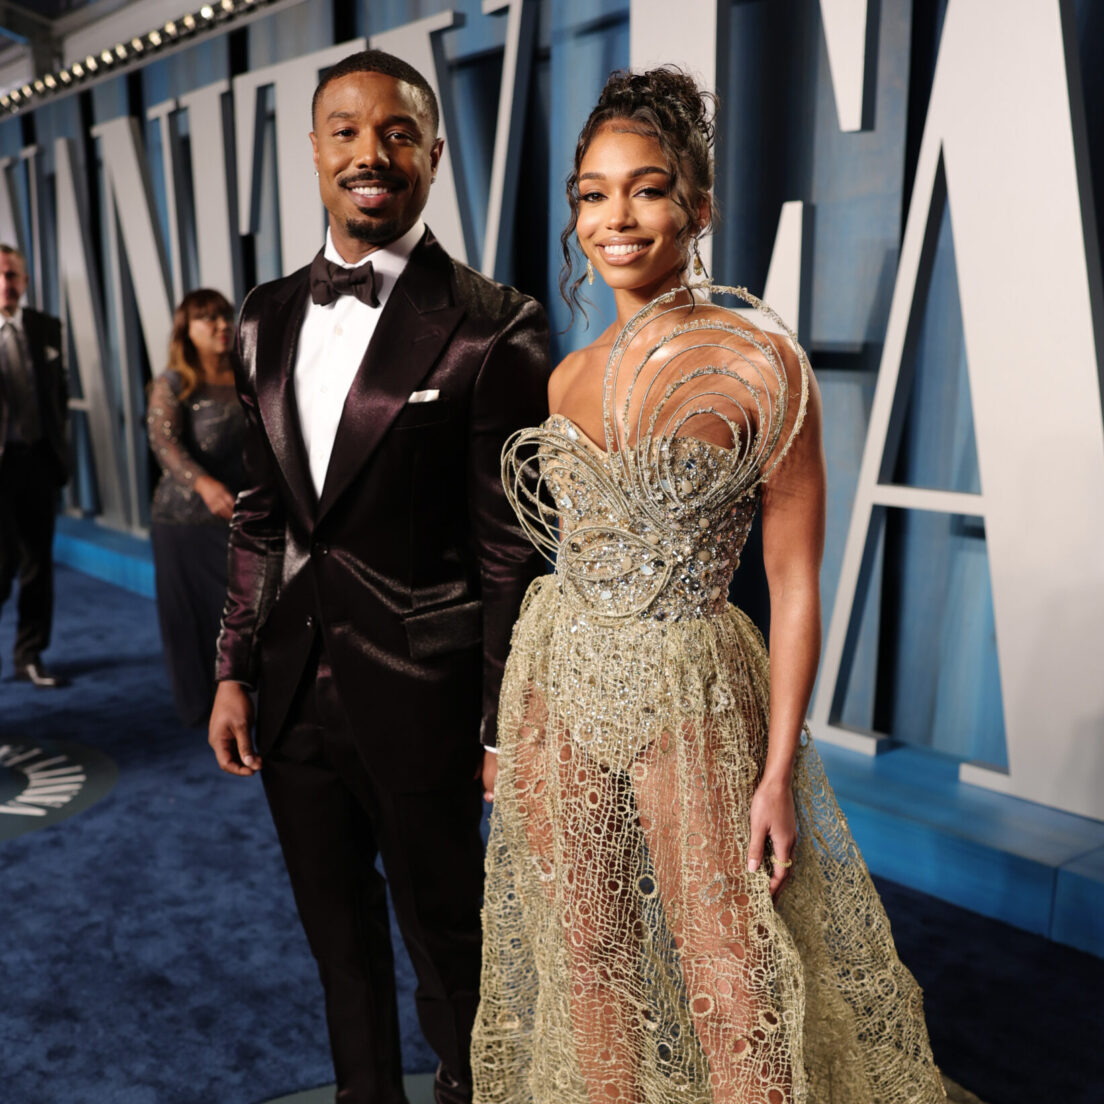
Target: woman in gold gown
(675,909)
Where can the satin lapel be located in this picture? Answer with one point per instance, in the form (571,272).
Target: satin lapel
(277,345)
(415,326)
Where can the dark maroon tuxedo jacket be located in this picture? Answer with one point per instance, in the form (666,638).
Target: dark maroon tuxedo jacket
(411,566)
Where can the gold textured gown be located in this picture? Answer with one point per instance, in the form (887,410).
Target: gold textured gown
(629,958)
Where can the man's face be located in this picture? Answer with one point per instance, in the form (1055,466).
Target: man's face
(13,282)
(376,155)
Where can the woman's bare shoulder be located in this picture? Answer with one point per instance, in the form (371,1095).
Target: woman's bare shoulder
(582,364)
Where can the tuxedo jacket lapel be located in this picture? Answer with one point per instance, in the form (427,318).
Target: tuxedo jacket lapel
(277,345)
(415,326)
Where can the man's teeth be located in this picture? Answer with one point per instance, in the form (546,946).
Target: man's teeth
(370,190)
(623,250)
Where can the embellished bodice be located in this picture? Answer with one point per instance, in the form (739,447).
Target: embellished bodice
(651,527)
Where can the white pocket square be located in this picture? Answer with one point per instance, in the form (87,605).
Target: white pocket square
(424,396)
(51,352)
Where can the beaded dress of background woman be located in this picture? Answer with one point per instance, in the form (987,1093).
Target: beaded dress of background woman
(197,432)
(629,953)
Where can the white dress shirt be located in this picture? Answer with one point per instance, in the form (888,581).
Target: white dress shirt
(332,343)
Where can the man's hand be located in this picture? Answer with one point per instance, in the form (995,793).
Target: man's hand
(230,730)
(215,496)
(490,774)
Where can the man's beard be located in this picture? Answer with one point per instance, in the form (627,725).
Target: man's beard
(373,231)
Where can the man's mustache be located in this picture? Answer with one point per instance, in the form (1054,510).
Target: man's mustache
(371,178)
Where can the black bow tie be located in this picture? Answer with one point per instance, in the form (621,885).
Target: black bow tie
(329,281)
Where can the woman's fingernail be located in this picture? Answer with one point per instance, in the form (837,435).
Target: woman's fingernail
(753,865)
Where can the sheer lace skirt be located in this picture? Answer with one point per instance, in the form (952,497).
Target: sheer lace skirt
(628,955)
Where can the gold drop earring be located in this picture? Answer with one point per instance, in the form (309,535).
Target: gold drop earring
(699,268)
(590,271)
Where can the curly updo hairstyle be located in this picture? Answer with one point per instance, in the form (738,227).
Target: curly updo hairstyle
(667,105)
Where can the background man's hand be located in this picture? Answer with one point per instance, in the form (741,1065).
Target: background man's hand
(230,732)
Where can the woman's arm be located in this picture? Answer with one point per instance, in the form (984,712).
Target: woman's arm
(793,506)
(165,425)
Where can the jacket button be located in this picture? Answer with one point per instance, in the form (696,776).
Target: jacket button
(310,621)
(322,549)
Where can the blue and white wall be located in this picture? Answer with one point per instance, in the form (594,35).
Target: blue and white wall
(941,163)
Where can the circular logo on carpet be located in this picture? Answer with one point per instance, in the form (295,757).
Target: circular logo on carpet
(41,784)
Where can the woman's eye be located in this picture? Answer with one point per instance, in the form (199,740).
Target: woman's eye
(650,191)
(590,197)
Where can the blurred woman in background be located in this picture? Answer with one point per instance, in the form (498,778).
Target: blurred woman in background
(197,431)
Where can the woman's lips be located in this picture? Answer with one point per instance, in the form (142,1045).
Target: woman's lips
(623,253)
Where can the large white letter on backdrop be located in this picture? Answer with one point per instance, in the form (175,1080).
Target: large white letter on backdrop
(1003,145)
(133,232)
(82,311)
(214,227)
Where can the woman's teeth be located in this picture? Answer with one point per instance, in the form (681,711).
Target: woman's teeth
(623,250)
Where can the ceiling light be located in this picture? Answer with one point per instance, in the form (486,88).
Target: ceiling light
(107,57)
(50,81)
(155,38)
(189,22)
(26,90)
(170,29)
(78,69)
(65,76)
(121,52)
(137,45)
(91,64)
(207,12)
(40,86)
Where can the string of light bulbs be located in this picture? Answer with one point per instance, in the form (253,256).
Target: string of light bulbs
(126,54)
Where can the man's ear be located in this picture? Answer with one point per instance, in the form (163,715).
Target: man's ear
(314,148)
(435,155)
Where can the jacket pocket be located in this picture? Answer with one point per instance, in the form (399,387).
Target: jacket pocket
(438,631)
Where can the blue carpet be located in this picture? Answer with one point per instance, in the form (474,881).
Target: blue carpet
(151,952)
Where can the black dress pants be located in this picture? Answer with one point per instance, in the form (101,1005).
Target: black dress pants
(28,508)
(334,818)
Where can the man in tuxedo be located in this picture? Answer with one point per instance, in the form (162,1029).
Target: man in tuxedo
(376,570)
(34,463)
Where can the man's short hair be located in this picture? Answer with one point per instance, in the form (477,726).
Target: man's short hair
(12,251)
(377,61)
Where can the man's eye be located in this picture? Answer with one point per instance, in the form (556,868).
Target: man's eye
(344,132)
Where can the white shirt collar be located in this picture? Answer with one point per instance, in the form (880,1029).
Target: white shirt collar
(16,319)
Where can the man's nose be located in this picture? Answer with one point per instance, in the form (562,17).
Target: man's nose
(372,151)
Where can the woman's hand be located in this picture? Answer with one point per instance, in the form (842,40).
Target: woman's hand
(215,496)
(490,774)
(772,815)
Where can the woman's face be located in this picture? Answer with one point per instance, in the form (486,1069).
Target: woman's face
(628,222)
(210,332)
